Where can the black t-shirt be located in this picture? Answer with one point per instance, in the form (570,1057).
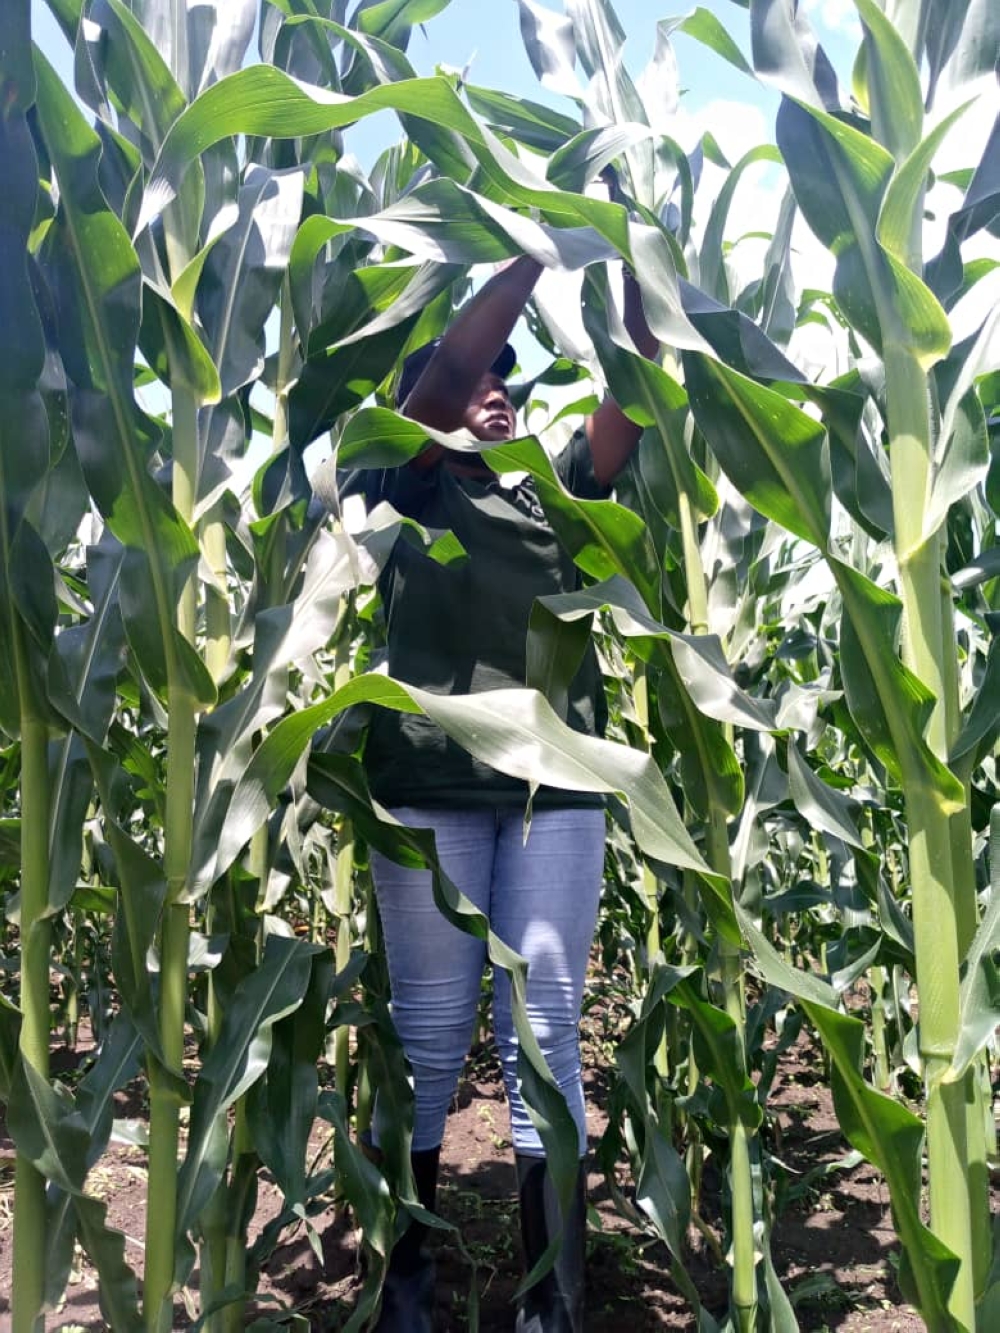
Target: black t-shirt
(461,627)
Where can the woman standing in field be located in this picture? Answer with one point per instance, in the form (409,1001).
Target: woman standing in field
(458,629)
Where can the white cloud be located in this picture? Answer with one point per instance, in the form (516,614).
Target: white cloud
(836,16)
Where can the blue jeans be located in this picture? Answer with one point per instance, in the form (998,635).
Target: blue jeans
(541,898)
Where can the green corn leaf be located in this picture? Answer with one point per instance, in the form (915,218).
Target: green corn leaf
(70,793)
(442,220)
(139,74)
(780,1311)
(99,337)
(237,289)
(858,462)
(709,770)
(493,727)
(693,686)
(840,178)
(149,70)
(26,596)
(766,959)
(837,172)
(661,473)
(305,270)
(706,27)
(47,1133)
(555,648)
(297,41)
(720,1054)
(10,1030)
(118,1289)
(364,1184)
(711,258)
(889,704)
(961,450)
(549,42)
(980,994)
(648,395)
(22,344)
(773,453)
(117,1062)
(391,20)
(787,54)
(961,457)
(700,661)
(776,296)
(237,1059)
(528,122)
(32,588)
(961,38)
(354,301)
(426,286)
(172,348)
(658,85)
(67,14)
(142,893)
(283,635)
(58,506)
(883,1129)
(17,72)
(663,1191)
(696,685)
(982,724)
(242,274)
(152,642)
(221,46)
(576,163)
(663,289)
(895,95)
(633,1054)
(281,1107)
(899,212)
(10,846)
(736,339)
(261,100)
(341,380)
(946,273)
(822,806)
(50,1134)
(550,1116)
(604,538)
(599,39)
(891,1137)
(28,614)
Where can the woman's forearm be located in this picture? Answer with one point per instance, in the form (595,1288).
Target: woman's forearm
(471,344)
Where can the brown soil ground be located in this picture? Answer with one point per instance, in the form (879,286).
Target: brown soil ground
(834,1247)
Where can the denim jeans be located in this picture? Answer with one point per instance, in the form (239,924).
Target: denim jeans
(541,898)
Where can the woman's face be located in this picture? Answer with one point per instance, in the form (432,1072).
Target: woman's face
(490,415)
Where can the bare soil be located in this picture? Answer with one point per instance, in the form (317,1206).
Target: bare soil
(833,1242)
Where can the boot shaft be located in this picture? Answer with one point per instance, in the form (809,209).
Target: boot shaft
(555,1303)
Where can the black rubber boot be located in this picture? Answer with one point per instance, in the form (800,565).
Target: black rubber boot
(408,1291)
(555,1304)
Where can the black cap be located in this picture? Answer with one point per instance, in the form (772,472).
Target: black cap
(416,362)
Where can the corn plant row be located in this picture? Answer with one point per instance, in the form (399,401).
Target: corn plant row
(198,265)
